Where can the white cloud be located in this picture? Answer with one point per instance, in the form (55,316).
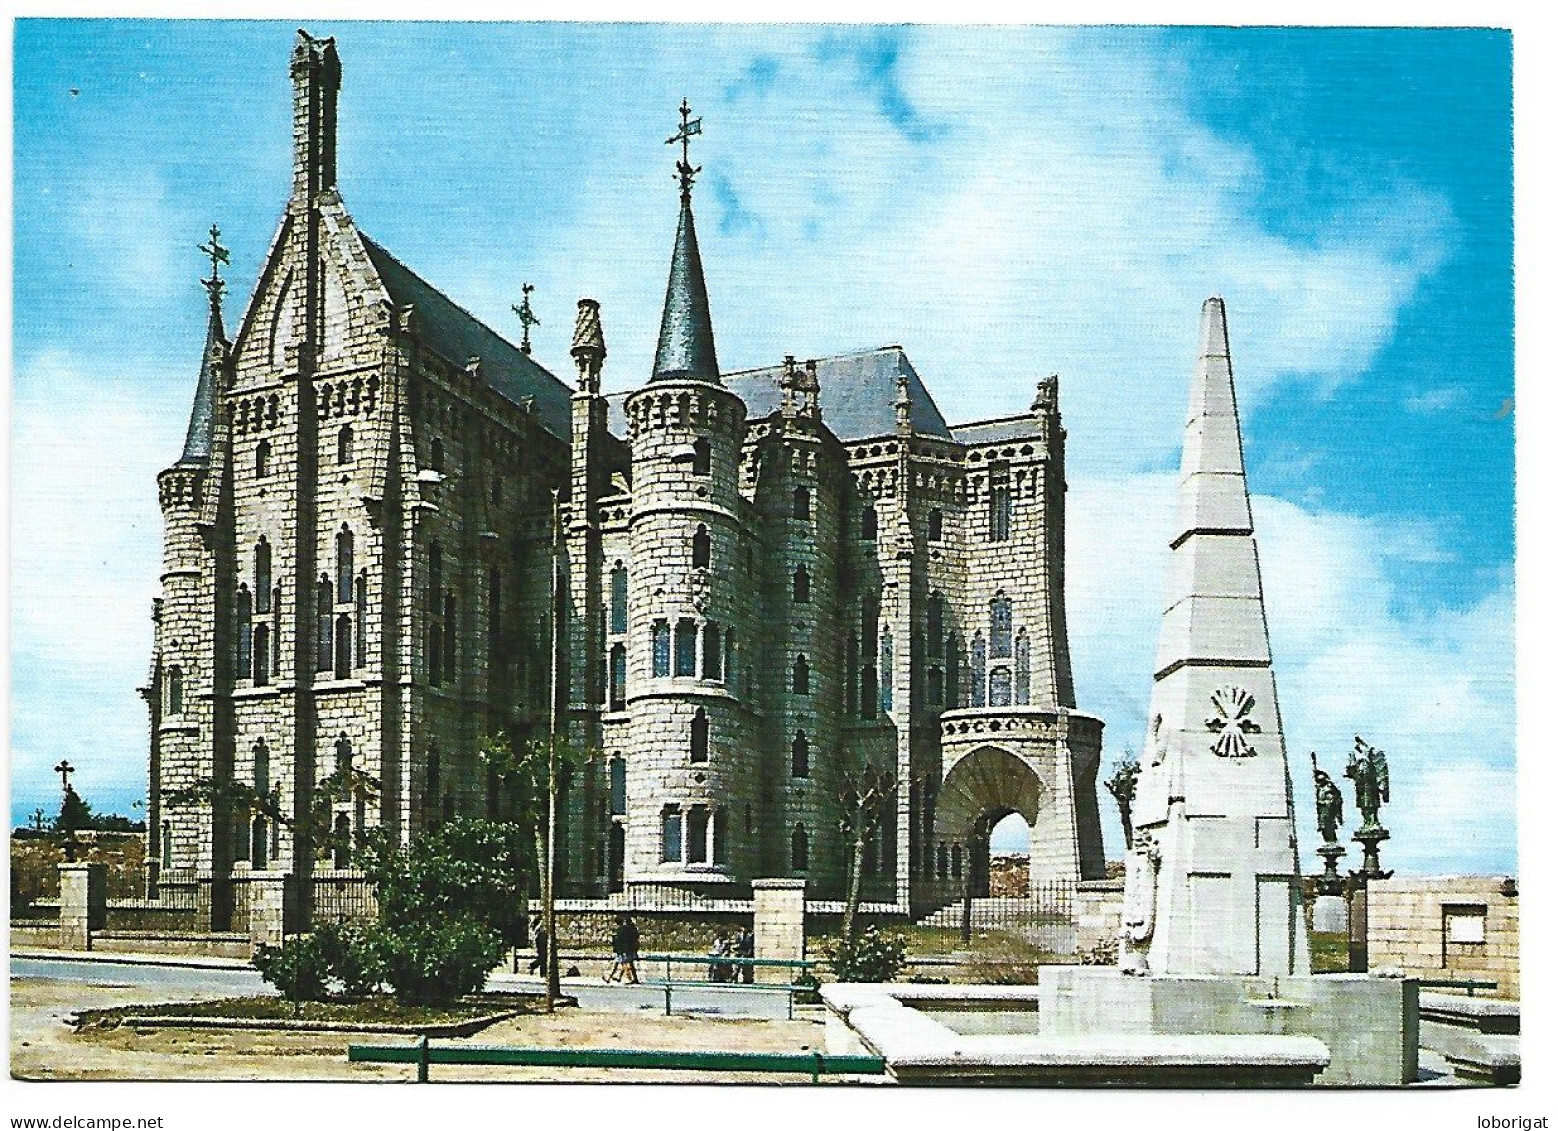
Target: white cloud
(85,554)
(1355,653)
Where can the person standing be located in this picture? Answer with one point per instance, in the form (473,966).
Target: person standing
(538,963)
(746,947)
(624,948)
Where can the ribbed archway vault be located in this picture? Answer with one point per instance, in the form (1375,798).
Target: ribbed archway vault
(988,782)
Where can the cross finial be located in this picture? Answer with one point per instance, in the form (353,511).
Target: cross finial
(527,317)
(690,128)
(64,770)
(214,251)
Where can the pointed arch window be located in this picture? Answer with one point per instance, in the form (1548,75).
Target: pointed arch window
(344,570)
(262,459)
(699,745)
(711,651)
(175,690)
(697,834)
(671,834)
(977,664)
(262,585)
(700,456)
(343,444)
(1023,674)
(617,692)
(800,676)
(660,647)
(686,647)
(730,659)
(700,548)
(343,757)
(868,522)
(851,658)
(935,622)
(619,598)
(436,455)
(934,523)
(798,849)
(343,646)
(1001,627)
(1001,687)
(619,786)
(324,608)
(243,613)
(800,756)
(801,590)
(167,844)
(262,647)
(275,631)
(450,634)
(1000,529)
(257,844)
(360,605)
(800,504)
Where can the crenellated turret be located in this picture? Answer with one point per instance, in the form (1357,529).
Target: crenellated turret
(692,563)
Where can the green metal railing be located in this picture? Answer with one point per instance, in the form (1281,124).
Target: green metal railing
(804,965)
(424,1054)
(1470,985)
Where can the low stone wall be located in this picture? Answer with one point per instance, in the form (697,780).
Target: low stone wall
(1447,927)
(214,945)
(42,935)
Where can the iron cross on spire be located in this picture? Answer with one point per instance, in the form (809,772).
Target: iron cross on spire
(527,317)
(64,770)
(214,251)
(690,128)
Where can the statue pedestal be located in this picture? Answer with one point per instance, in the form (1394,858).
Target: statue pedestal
(1370,839)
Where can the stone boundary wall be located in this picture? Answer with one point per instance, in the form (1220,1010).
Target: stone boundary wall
(1429,928)
(1096,909)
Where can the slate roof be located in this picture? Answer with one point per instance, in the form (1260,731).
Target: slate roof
(858,394)
(202,415)
(457,335)
(994,431)
(686,346)
(858,391)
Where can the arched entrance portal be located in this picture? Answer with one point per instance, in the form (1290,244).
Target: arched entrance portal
(984,788)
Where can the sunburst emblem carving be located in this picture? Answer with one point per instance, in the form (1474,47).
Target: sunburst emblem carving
(1231,723)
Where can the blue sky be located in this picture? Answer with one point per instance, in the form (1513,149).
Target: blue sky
(1003,202)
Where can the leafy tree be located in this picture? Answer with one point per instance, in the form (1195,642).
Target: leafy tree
(350,957)
(298,969)
(75,814)
(432,962)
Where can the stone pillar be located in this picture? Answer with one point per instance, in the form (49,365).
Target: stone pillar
(273,907)
(83,904)
(1358,934)
(778,925)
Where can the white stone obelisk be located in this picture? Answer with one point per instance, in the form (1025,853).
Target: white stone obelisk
(1214,887)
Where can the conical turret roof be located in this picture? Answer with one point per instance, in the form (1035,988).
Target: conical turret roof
(686,349)
(202,416)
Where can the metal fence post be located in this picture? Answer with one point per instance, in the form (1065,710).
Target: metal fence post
(422,1060)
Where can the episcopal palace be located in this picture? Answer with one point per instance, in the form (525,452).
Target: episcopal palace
(391,532)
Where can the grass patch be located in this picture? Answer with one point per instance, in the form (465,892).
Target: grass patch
(1328,953)
(377,1010)
(989,956)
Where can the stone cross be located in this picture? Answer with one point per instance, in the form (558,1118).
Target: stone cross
(64,770)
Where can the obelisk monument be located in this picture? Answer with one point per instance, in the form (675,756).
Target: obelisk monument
(1212,880)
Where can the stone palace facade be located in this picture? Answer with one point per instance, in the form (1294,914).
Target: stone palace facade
(765,581)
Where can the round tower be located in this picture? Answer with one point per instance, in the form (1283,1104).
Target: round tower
(691,762)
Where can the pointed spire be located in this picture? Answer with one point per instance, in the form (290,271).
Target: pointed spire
(1213,498)
(686,348)
(202,417)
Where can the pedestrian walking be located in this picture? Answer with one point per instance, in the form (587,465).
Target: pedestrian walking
(538,963)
